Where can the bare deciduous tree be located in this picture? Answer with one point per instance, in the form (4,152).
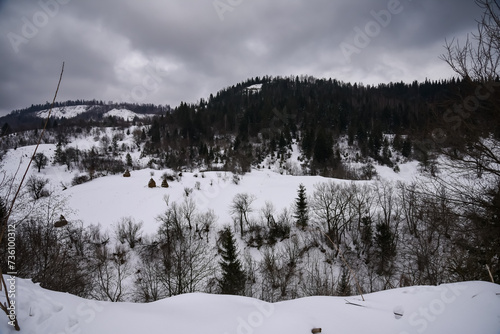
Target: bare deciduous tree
(478,58)
(128,231)
(241,206)
(331,206)
(187,260)
(110,268)
(472,148)
(318,279)
(148,285)
(40,161)
(36,187)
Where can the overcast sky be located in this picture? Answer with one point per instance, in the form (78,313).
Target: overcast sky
(165,52)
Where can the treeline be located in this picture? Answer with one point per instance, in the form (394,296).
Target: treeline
(386,123)
(251,124)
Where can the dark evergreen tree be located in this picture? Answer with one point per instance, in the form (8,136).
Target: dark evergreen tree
(385,248)
(323,150)
(59,155)
(344,287)
(406,150)
(128,159)
(154,132)
(366,231)
(233,276)
(308,142)
(301,208)
(6,129)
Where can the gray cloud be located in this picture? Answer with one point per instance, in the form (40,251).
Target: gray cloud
(166,52)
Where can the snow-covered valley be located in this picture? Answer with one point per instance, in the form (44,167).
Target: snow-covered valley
(305,260)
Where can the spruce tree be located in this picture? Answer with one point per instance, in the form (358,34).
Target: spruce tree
(344,287)
(59,156)
(233,276)
(406,149)
(128,159)
(323,147)
(385,248)
(301,209)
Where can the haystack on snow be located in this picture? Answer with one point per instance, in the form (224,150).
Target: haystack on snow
(152,183)
(164,183)
(126,174)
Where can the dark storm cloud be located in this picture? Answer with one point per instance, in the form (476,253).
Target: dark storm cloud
(165,52)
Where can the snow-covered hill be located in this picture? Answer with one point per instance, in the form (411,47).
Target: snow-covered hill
(472,307)
(125,114)
(64,112)
(73,111)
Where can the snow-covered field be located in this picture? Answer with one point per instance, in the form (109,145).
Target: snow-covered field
(106,200)
(472,307)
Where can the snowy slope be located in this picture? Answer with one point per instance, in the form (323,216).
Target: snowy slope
(470,307)
(256,87)
(73,111)
(64,112)
(107,199)
(125,114)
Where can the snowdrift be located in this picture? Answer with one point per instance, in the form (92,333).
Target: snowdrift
(468,307)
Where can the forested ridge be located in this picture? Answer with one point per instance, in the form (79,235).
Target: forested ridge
(248,124)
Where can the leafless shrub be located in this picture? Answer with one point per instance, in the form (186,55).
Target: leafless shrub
(127,230)
(36,187)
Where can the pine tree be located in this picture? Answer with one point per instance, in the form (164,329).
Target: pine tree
(323,147)
(344,287)
(301,208)
(59,155)
(233,276)
(128,159)
(406,150)
(308,143)
(385,248)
